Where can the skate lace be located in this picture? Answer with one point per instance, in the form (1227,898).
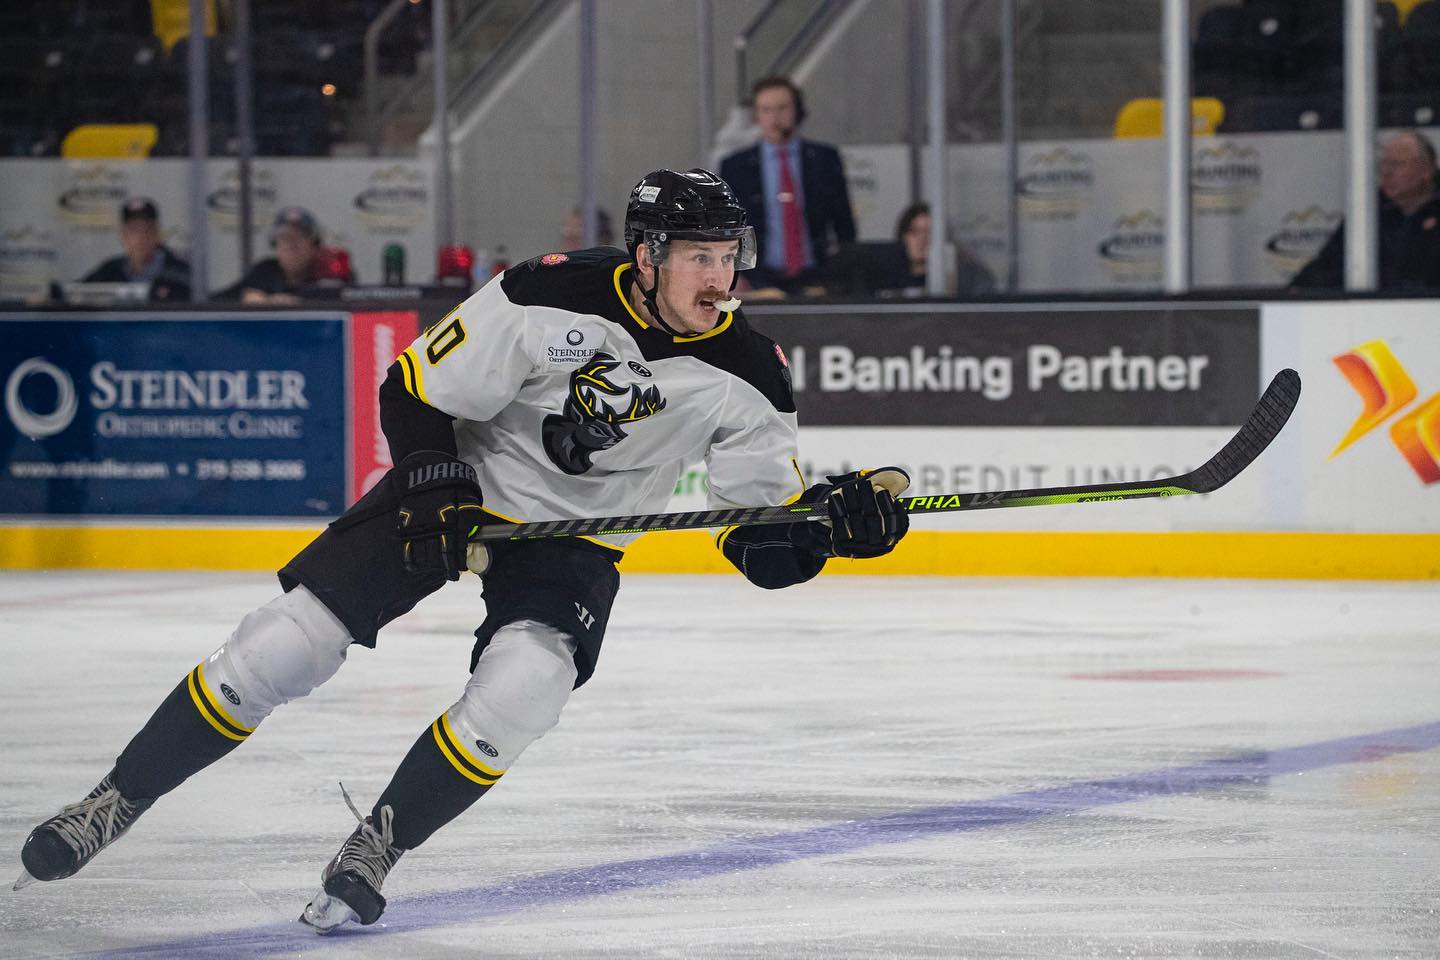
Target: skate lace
(104,809)
(369,852)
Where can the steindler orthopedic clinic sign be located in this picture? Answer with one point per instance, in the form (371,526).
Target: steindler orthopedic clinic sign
(190,415)
(1120,366)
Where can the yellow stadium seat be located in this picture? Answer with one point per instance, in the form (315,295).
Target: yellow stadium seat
(1403,7)
(111,141)
(172,19)
(1145,117)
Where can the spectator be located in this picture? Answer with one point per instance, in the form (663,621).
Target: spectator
(1409,235)
(572,234)
(282,279)
(793,190)
(902,266)
(146,257)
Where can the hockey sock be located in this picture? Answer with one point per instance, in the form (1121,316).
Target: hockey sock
(436,782)
(189,731)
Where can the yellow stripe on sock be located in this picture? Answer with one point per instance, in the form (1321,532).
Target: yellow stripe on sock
(464,772)
(210,697)
(460,747)
(200,706)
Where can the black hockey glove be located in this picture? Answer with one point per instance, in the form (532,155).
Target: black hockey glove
(865,520)
(439,508)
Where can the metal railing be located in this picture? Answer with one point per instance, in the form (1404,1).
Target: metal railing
(467,19)
(786,25)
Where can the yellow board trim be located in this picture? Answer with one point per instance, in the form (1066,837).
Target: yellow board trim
(200,707)
(440,742)
(460,746)
(1343,556)
(210,698)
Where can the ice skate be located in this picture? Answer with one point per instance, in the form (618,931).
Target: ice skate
(352,881)
(60,846)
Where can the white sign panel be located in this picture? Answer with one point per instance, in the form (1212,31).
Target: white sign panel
(59,219)
(1363,450)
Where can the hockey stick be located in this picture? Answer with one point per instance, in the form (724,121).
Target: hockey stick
(1262,426)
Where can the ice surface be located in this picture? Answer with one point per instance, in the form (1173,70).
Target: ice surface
(858,767)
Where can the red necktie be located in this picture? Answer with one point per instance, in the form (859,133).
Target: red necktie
(791,221)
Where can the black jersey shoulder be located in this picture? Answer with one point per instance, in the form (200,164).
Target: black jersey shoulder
(591,282)
(739,350)
(581,281)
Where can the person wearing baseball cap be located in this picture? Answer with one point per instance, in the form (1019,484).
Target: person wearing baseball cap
(146,257)
(283,278)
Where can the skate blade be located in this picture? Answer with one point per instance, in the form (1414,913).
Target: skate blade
(324,913)
(24,880)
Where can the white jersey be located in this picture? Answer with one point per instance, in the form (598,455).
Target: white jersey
(569,405)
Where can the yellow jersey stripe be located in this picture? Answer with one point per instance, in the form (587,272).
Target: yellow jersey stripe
(620,292)
(419,386)
(195,696)
(459,746)
(407,372)
(463,770)
(714,331)
(719,328)
(205,689)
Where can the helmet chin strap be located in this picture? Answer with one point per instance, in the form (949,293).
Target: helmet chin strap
(651,298)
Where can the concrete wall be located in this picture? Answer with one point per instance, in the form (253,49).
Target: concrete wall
(517,154)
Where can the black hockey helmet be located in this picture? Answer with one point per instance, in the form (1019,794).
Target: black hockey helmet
(695,205)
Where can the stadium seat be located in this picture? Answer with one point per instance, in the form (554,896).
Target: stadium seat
(111,77)
(1403,7)
(291,121)
(1421,40)
(1215,54)
(1145,117)
(1292,112)
(1410,109)
(1268,38)
(171,20)
(120,141)
(1389,54)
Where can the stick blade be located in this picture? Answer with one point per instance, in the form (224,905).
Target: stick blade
(1263,425)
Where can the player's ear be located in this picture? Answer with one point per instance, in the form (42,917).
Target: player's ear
(644,264)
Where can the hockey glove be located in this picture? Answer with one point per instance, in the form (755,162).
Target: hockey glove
(439,509)
(865,520)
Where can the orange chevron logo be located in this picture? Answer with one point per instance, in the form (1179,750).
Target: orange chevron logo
(1386,388)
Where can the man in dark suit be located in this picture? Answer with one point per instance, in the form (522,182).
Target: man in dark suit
(793,190)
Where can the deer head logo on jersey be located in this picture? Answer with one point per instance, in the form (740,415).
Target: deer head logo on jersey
(594,414)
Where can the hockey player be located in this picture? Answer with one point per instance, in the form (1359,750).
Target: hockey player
(572,385)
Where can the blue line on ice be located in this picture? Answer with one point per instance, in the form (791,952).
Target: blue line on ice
(473,904)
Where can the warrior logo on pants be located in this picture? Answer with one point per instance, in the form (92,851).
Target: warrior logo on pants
(588,423)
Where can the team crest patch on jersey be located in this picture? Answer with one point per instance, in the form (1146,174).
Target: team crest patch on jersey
(594,412)
(550,259)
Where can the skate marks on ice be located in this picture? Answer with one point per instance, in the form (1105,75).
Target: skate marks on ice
(476,904)
(740,778)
